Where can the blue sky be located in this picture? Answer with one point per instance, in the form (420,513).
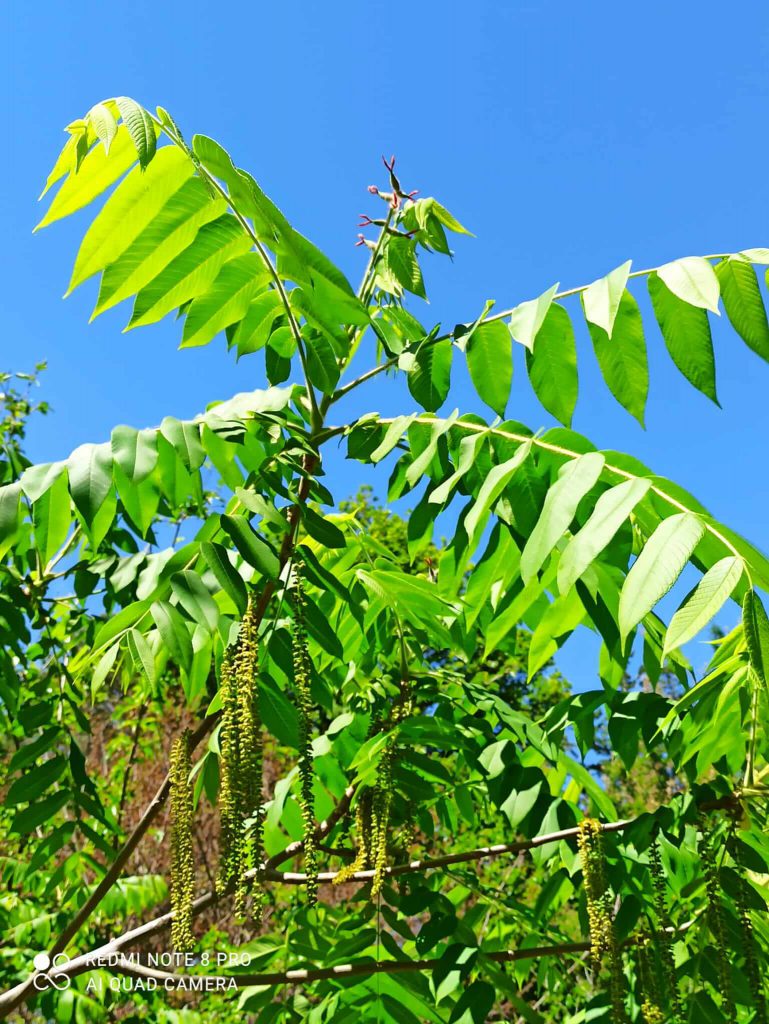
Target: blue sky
(569,138)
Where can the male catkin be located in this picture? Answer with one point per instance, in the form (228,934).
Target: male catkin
(603,942)
(665,937)
(182,862)
(302,675)
(240,768)
(717,925)
(750,948)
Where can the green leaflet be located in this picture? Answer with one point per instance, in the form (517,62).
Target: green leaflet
(10,496)
(253,548)
(574,481)
(97,172)
(184,436)
(322,364)
(173,632)
(193,595)
(756,626)
(192,271)
(610,512)
(90,478)
(140,127)
(252,332)
(686,331)
(552,365)
(528,317)
(430,376)
(658,566)
(51,516)
(141,655)
(490,362)
(491,488)
(560,618)
(622,356)
(468,450)
(164,237)
(693,280)
(226,301)
(227,576)
(711,592)
(393,434)
(401,260)
(135,451)
(601,300)
(421,463)
(744,304)
(132,206)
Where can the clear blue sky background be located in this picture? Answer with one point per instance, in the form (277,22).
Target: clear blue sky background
(567,137)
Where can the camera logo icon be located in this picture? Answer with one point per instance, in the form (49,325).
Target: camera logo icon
(49,972)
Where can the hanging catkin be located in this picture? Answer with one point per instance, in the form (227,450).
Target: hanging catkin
(240,768)
(245,671)
(182,863)
(603,943)
(304,705)
(717,925)
(364,832)
(749,947)
(651,1005)
(665,936)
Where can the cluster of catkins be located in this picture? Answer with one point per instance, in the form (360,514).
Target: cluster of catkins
(302,679)
(240,791)
(604,947)
(372,810)
(240,768)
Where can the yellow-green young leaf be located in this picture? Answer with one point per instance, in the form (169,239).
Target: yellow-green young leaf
(140,127)
(51,516)
(447,219)
(430,376)
(141,655)
(574,481)
(494,484)
(422,461)
(226,301)
(601,299)
(552,365)
(527,318)
(166,235)
(192,271)
(132,206)
(97,172)
(103,122)
(611,511)
(756,255)
(756,627)
(658,566)
(686,330)
(705,601)
(744,304)
(489,355)
(693,280)
(622,357)
(65,162)
(90,478)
